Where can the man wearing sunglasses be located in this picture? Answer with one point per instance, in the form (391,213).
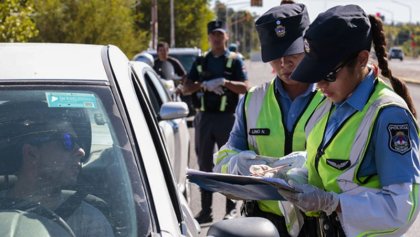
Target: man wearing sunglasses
(48,155)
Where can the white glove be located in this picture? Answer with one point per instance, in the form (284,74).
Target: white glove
(204,85)
(211,85)
(297,175)
(219,91)
(294,160)
(241,162)
(310,198)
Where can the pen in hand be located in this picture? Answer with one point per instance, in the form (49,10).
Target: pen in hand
(262,170)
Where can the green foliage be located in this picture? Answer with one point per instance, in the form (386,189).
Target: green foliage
(241,27)
(90,22)
(191,19)
(400,35)
(242,31)
(16,24)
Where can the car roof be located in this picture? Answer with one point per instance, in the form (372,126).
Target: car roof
(53,61)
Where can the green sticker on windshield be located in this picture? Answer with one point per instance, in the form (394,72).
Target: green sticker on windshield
(70,100)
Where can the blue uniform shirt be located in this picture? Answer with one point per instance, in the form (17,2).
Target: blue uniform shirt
(216,66)
(291,109)
(381,156)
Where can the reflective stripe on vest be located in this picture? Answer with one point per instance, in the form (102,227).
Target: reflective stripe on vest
(223,101)
(348,145)
(262,111)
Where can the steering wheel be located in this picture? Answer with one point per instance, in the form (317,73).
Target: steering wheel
(7,203)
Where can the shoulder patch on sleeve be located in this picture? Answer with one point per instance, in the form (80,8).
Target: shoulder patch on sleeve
(399,138)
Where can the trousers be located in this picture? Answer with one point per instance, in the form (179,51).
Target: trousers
(211,129)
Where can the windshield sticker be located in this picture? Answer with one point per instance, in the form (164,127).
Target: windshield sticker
(70,100)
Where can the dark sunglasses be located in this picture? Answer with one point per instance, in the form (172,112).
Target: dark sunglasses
(332,76)
(68,140)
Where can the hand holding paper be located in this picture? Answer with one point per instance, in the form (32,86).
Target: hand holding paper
(295,160)
(310,198)
(241,162)
(280,167)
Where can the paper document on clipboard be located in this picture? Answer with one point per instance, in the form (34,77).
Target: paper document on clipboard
(240,187)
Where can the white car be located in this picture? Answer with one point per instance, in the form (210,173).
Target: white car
(186,56)
(81,152)
(175,131)
(396,52)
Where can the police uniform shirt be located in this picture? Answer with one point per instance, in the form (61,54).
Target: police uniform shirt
(394,163)
(291,109)
(216,66)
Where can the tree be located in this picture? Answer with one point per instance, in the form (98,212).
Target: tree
(191,19)
(16,24)
(404,35)
(90,22)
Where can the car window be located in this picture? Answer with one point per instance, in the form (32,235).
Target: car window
(396,50)
(153,95)
(186,60)
(159,88)
(66,152)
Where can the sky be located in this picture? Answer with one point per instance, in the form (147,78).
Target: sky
(398,11)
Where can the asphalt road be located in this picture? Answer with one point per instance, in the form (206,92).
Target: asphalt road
(258,73)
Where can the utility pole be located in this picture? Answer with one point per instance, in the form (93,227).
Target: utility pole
(154,24)
(172,44)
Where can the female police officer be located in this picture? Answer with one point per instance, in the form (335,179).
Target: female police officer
(270,119)
(362,153)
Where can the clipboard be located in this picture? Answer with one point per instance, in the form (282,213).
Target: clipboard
(240,187)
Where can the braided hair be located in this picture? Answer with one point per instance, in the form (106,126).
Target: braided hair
(287,2)
(379,43)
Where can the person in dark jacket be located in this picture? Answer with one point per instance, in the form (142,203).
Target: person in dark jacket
(217,79)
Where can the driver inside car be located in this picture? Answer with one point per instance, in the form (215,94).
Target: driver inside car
(47,153)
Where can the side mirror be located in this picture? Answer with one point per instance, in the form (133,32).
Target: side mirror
(243,226)
(173,110)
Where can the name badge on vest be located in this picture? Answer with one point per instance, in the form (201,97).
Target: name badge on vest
(338,164)
(259,131)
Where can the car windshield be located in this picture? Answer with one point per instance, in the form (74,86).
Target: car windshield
(65,152)
(396,51)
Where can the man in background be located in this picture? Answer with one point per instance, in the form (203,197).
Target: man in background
(166,66)
(217,78)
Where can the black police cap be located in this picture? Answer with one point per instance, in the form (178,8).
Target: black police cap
(335,35)
(216,26)
(281,31)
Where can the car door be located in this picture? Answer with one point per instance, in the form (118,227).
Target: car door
(175,131)
(188,224)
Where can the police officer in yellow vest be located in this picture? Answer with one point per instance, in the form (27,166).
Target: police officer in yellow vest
(218,78)
(363,150)
(270,118)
